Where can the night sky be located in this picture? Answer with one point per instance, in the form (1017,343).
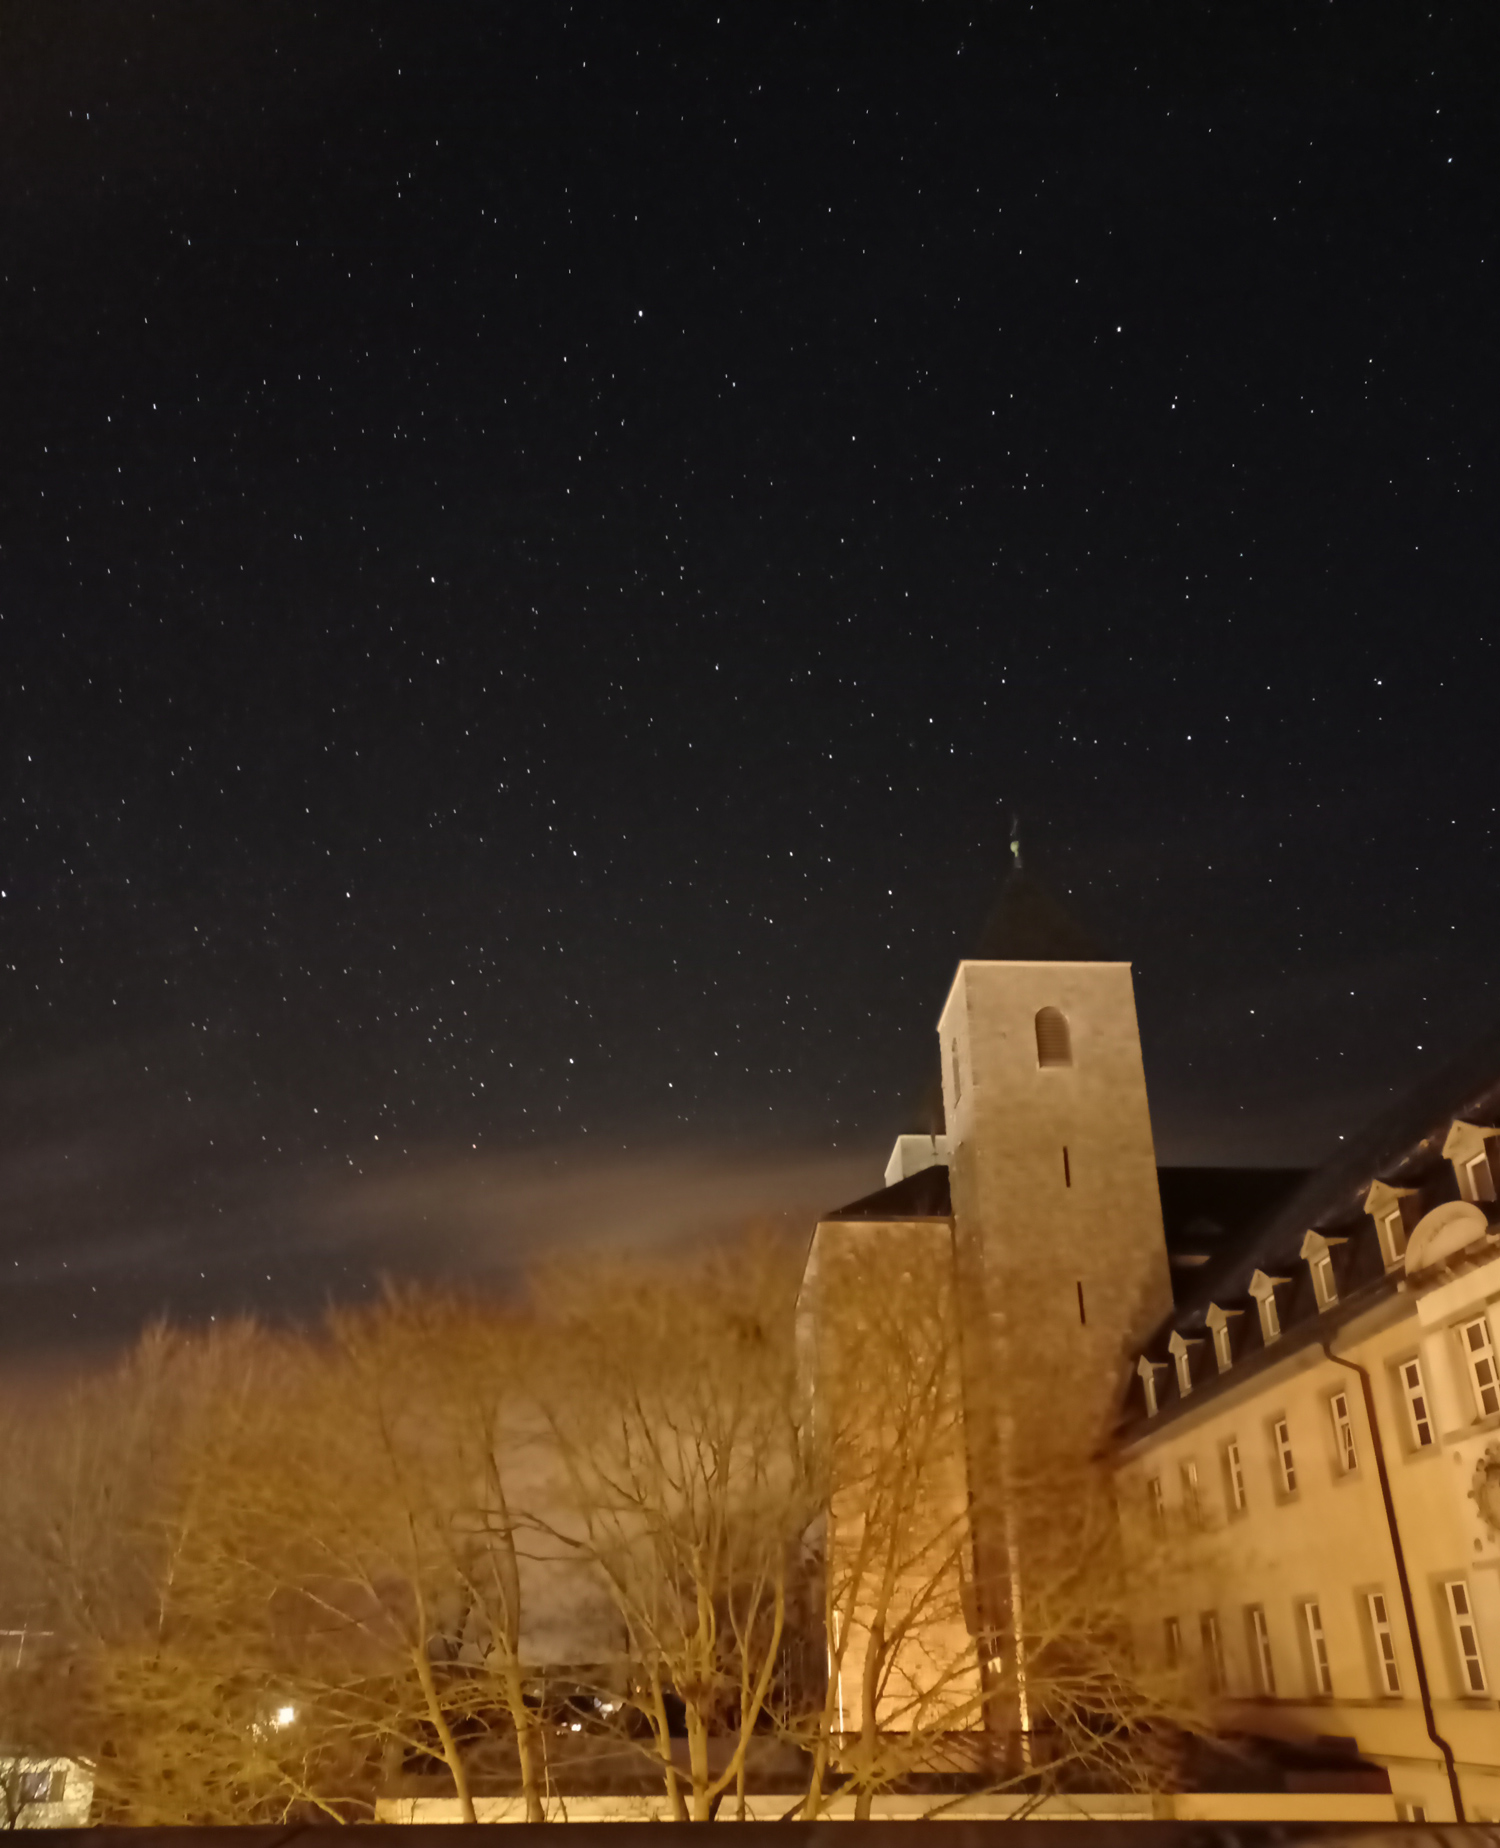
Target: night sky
(541,548)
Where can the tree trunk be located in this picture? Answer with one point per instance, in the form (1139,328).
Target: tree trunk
(508,1574)
(524,1722)
(869,1726)
(664,1747)
(753,1700)
(698,1760)
(445,1734)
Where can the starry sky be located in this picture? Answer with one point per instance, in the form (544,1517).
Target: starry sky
(541,549)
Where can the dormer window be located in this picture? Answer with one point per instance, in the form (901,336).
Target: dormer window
(1263,1289)
(1218,1325)
(1054,1044)
(1468,1146)
(1394,1210)
(1147,1370)
(1317,1254)
(1182,1358)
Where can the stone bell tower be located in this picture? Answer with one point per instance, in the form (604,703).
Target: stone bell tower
(1057,1217)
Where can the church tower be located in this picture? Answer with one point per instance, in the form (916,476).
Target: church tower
(1017,1251)
(1057,1216)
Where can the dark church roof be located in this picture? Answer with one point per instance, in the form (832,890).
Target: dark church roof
(1204,1211)
(1029,925)
(924,1195)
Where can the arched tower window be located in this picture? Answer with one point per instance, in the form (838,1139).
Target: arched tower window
(1054,1046)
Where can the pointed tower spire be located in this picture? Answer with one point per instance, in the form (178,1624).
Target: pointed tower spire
(1028,924)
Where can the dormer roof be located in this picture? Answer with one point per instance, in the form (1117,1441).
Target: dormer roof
(1465,1139)
(1317,1245)
(1383,1196)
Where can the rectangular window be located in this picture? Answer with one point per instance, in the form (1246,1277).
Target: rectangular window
(1385,1644)
(1260,1641)
(1191,1506)
(958,1076)
(1465,1635)
(1157,1500)
(1318,1642)
(1234,1471)
(1174,1642)
(1213,1651)
(1270,1320)
(1185,1372)
(1223,1351)
(36,1785)
(1479,1351)
(1285,1461)
(1393,1236)
(1416,1403)
(1323,1284)
(1412,1812)
(1477,1168)
(1343,1432)
(1148,1387)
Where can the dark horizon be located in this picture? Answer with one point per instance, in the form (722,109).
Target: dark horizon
(540,554)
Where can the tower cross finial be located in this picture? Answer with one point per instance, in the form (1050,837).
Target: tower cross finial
(1015,840)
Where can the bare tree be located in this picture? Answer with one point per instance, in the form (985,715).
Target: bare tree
(465,1370)
(274,1568)
(280,1565)
(104,1495)
(365,1512)
(984,1632)
(673,1408)
(885,1430)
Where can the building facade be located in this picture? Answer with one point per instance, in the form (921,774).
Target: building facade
(1316,1430)
(1302,1409)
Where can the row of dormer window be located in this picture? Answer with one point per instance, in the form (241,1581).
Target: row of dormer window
(1394,1212)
